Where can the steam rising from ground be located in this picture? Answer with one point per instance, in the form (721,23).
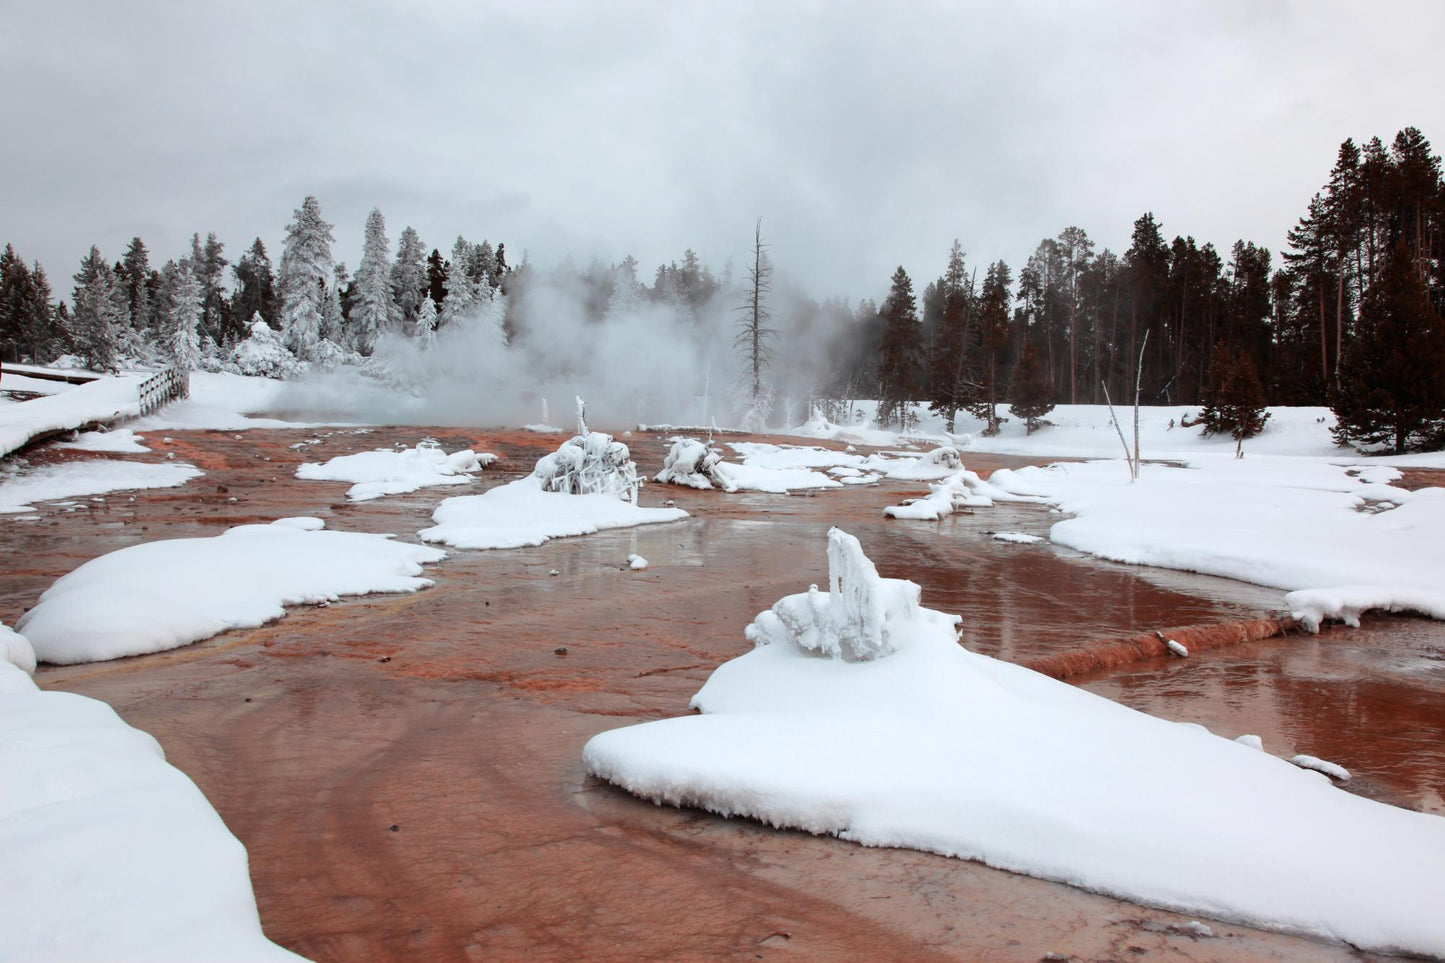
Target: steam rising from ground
(645,362)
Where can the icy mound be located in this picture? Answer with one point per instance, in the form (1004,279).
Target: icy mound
(938,463)
(590,464)
(935,748)
(388,472)
(264,355)
(16,649)
(962,489)
(863,616)
(694,464)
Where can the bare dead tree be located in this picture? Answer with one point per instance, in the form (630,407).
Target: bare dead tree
(755,335)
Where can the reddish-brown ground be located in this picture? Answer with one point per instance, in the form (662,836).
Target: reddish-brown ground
(405,770)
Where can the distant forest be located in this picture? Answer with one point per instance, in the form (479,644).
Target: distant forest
(1350,315)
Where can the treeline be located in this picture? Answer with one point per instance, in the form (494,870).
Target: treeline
(1349,316)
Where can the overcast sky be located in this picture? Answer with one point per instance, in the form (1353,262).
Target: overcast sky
(865,135)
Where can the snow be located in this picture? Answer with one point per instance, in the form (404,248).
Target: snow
(1251,740)
(1177,648)
(16,650)
(522,513)
(636,562)
(590,463)
(121,441)
(102,400)
(936,748)
(1293,523)
(962,489)
(222,402)
(19,489)
(385,471)
(109,852)
(1020,538)
(169,593)
(1330,769)
(693,464)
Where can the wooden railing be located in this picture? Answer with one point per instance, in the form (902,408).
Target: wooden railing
(163,387)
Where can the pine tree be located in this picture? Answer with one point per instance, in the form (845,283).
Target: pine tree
(462,293)
(1234,398)
(900,352)
(1031,392)
(953,382)
(993,321)
(373,313)
(255,287)
(437,270)
(134,275)
(46,339)
(208,264)
(182,309)
(426,323)
(1392,384)
(409,280)
(100,312)
(13,277)
(337,308)
(306,278)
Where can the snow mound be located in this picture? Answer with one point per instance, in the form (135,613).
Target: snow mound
(636,562)
(389,472)
(695,464)
(961,489)
(1020,538)
(96,476)
(166,594)
(1333,770)
(118,441)
(523,513)
(590,464)
(109,852)
(1251,740)
(939,749)
(936,464)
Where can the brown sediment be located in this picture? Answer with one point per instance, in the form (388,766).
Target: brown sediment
(449,715)
(1106,654)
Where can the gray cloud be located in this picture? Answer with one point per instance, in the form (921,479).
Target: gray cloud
(865,135)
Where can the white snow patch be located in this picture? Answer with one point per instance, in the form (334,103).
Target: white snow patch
(93,476)
(936,748)
(120,441)
(961,489)
(522,513)
(1021,538)
(109,852)
(16,650)
(165,594)
(388,472)
(102,400)
(636,562)
(1178,648)
(1346,603)
(1250,740)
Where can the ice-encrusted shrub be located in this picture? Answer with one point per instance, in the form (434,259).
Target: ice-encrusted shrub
(263,354)
(695,464)
(861,617)
(590,464)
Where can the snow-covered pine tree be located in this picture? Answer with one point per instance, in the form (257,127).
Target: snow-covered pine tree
(462,293)
(100,312)
(426,323)
(306,278)
(182,311)
(409,276)
(255,287)
(373,312)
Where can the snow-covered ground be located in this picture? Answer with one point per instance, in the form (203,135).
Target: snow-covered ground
(859,715)
(390,472)
(109,853)
(165,594)
(121,441)
(103,400)
(19,490)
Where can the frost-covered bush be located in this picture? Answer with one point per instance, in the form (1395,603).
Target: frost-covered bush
(327,355)
(856,620)
(590,464)
(695,464)
(263,354)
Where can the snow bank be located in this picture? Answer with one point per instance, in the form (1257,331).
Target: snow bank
(109,852)
(222,402)
(935,748)
(95,476)
(1289,523)
(523,513)
(165,594)
(102,400)
(389,472)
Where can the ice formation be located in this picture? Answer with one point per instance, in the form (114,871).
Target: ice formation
(590,463)
(962,489)
(857,620)
(695,464)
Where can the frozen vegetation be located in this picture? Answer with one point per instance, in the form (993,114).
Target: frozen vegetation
(164,594)
(857,714)
(109,852)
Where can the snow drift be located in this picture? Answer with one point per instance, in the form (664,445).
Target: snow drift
(931,747)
